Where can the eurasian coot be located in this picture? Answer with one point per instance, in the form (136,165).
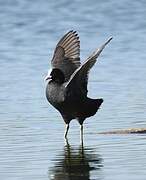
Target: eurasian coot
(67,86)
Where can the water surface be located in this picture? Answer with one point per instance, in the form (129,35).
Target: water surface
(31,131)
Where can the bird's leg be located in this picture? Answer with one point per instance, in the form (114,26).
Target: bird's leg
(66,142)
(81,133)
(66,131)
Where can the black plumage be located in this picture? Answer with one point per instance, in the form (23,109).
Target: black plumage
(67,86)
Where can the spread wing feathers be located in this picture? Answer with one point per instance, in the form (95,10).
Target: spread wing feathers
(67,54)
(71,44)
(79,79)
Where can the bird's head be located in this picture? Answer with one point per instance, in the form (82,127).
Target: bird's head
(55,75)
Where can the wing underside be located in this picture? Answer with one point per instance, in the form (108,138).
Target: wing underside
(67,54)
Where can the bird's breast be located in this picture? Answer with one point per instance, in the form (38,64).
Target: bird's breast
(55,94)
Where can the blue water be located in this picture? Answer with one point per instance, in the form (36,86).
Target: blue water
(31,131)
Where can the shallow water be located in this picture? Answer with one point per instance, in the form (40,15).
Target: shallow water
(31,131)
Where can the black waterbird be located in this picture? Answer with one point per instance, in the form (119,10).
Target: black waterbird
(67,86)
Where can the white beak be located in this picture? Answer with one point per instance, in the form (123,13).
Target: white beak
(48,75)
(47,78)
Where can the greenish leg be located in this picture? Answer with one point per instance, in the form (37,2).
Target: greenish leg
(66,131)
(81,133)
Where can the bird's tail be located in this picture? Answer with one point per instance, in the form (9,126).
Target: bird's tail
(99,102)
(93,106)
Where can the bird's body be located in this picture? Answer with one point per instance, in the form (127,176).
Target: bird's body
(71,107)
(67,88)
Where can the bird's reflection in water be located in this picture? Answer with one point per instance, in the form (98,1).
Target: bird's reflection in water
(75,163)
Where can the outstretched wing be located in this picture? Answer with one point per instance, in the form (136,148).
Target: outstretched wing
(67,54)
(79,79)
